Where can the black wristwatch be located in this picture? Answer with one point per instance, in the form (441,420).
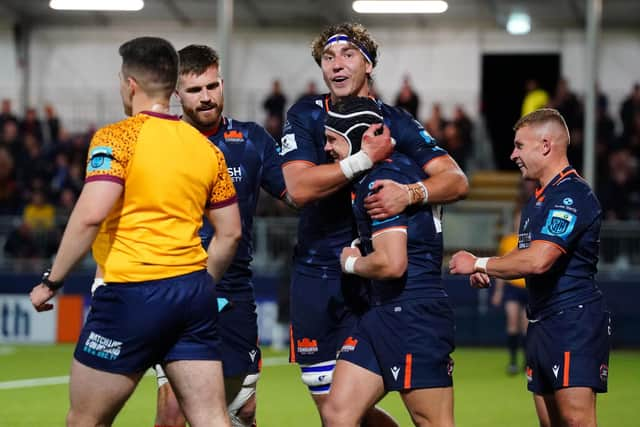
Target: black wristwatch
(54,286)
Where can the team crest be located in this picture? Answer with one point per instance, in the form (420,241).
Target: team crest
(559,224)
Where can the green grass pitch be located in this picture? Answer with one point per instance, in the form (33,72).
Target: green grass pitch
(484,394)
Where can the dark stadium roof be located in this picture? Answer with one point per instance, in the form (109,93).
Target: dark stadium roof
(545,14)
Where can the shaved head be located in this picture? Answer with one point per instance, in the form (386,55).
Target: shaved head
(548,123)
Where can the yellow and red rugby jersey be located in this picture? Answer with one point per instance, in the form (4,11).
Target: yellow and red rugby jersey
(170,173)
(508,243)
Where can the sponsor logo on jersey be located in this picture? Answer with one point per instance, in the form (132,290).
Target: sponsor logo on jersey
(524,240)
(349,345)
(235,173)
(233,136)
(307,346)
(287,143)
(567,201)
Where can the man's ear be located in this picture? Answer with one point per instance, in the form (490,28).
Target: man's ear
(132,86)
(546,146)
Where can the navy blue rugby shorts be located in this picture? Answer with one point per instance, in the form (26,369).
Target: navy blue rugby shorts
(132,326)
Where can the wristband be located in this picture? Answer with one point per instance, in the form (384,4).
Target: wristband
(417,193)
(425,198)
(350,264)
(355,164)
(481,265)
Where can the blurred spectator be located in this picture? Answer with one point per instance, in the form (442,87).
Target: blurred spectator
(435,124)
(605,137)
(567,103)
(620,194)
(6,113)
(61,175)
(66,202)
(10,138)
(465,127)
(39,214)
(407,98)
(629,108)
(52,124)
(453,142)
(33,163)
(9,189)
(21,243)
(274,106)
(76,176)
(534,97)
(31,124)
(311,90)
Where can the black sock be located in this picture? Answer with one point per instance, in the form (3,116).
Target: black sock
(512,345)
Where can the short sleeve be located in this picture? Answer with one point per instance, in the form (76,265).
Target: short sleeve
(111,150)
(564,218)
(223,192)
(413,140)
(272,179)
(297,142)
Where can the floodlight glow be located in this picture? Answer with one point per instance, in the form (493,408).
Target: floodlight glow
(410,6)
(519,23)
(130,5)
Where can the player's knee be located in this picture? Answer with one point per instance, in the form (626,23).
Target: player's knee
(577,419)
(242,409)
(335,413)
(318,377)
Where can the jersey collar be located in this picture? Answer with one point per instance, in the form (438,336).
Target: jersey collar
(569,170)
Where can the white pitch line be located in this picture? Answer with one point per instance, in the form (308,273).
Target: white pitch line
(38,382)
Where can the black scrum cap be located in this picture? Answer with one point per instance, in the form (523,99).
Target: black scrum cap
(351,117)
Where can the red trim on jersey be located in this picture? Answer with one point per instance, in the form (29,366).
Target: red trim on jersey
(564,251)
(161,115)
(110,178)
(224,203)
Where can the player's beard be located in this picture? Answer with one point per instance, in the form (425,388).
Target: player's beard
(206,119)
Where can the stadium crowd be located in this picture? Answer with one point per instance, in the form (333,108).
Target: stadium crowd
(42,165)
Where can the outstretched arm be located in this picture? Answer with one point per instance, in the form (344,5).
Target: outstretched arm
(536,259)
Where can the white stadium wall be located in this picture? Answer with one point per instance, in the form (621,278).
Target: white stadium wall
(76,68)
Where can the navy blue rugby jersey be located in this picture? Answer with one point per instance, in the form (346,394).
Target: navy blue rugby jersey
(252,162)
(326,225)
(567,214)
(423,225)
